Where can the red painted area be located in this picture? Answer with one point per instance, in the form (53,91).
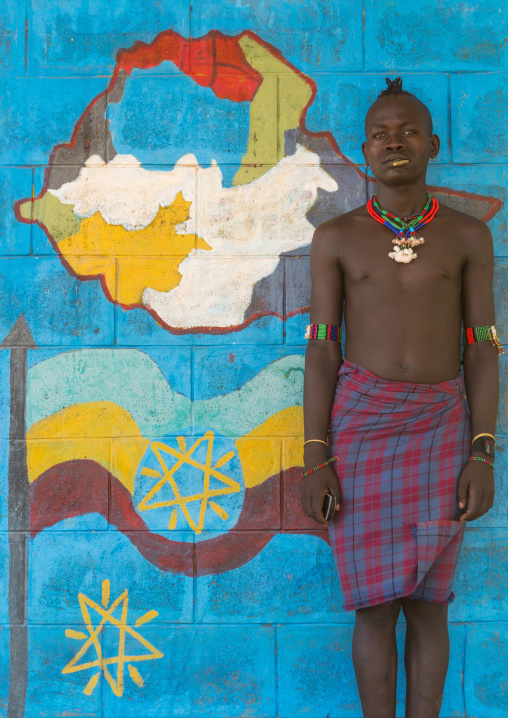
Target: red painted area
(67,490)
(82,486)
(214,61)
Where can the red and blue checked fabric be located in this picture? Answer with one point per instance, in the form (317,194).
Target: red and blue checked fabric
(401,450)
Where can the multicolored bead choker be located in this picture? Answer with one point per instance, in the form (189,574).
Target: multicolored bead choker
(404,227)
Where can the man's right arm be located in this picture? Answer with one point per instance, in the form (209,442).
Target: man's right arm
(322,362)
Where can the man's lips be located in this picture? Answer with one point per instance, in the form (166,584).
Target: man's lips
(396,161)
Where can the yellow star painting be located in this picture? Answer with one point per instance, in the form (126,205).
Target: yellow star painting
(165,475)
(92,641)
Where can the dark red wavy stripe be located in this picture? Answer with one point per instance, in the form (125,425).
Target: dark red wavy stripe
(214,61)
(82,486)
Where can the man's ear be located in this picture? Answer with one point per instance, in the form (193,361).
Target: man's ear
(435,144)
(364,150)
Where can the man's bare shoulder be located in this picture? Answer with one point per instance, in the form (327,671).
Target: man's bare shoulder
(339,229)
(471,227)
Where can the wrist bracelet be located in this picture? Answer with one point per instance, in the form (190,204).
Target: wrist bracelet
(480,458)
(320,441)
(480,435)
(316,468)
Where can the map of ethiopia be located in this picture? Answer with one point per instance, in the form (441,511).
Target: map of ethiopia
(199,245)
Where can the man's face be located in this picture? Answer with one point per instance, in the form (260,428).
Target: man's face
(399,141)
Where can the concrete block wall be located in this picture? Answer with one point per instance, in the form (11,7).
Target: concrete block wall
(162,170)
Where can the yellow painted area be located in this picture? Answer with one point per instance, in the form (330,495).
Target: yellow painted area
(276,107)
(128,652)
(147,257)
(87,431)
(58,218)
(106,590)
(261,457)
(126,453)
(42,454)
(135,274)
(292,452)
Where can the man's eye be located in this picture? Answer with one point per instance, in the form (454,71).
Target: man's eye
(412,132)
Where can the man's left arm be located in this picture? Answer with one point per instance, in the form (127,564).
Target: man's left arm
(475,491)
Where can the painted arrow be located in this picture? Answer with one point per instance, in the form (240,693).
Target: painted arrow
(19,341)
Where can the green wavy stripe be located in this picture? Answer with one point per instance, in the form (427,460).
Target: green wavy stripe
(133,380)
(276,387)
(127,377)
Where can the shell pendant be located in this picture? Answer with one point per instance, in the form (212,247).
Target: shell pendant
(403,250)
(405,255)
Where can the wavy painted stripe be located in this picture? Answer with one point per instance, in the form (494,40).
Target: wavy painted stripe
(130,378)
(79,432)
(277,387)
(260,453)
(127,377)
(82,486)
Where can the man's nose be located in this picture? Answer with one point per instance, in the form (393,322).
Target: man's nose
(395,142)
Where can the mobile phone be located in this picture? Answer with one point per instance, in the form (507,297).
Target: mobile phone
(329,506)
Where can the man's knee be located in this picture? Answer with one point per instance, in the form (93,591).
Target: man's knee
(381,617)
(424,613)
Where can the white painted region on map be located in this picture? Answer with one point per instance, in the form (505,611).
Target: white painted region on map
(247,227)
(125,193)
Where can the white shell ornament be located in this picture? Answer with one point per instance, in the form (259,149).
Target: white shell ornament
(403,255)
(403,250)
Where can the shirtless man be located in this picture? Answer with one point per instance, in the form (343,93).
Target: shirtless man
(395,417)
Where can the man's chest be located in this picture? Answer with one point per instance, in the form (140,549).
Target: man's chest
(439,262)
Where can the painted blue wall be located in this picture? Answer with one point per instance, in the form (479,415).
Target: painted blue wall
(265,636)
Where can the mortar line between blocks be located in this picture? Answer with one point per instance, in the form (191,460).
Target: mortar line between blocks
(192,389)
(277,114)
(32,195)
(26,36)
(102,679)
(194,582)
(284,288)
(115,306)
(463,677)
(106,127)
(25,597)
(110,471)
(363,35)
(450,118)
(281,483)
(276,666)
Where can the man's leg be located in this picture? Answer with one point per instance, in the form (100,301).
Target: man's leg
(426,655)
(375,658)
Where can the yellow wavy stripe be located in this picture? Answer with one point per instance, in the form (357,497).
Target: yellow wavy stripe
(260,452)
(100,430)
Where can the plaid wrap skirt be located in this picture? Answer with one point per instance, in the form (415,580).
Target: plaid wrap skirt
(401,449)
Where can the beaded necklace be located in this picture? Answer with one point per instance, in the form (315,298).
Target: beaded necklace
(405,228)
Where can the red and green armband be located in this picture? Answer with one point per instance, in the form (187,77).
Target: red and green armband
(323,331)
(483,334)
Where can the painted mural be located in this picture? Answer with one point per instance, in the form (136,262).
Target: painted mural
(157,560)
(192,244)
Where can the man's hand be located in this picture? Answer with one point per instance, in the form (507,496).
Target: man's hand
(314,489)
(476,488)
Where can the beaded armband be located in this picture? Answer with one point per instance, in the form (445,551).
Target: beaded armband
(323,331)
(483,334)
